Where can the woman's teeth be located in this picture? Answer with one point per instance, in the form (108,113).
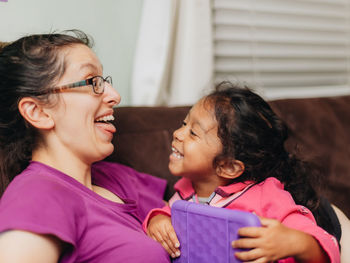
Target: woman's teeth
(176,153)
(106,118)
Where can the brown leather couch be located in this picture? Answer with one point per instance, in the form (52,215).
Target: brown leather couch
(319,133)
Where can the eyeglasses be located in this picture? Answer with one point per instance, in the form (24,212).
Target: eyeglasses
(97,83)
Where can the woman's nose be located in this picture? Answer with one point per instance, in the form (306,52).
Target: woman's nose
(111,95)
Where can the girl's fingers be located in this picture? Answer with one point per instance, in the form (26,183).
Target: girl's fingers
(268,221)
(164,233)
(174,251)
(250,256)
(245,243)
(174,242)
(159,238)
(167,248)
(163,238)
(252,232)
(173,237)
(255,232)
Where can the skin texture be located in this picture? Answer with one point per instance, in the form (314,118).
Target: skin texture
(20,246)
(195,145)
(71,142)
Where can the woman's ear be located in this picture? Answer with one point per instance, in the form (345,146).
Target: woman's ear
(34,113)
(230,169)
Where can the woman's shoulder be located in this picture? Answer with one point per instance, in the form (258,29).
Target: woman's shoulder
(38,183)
(38,200)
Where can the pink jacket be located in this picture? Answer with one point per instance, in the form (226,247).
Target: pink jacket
(266,199)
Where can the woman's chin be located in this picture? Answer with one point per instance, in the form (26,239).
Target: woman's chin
(104,153)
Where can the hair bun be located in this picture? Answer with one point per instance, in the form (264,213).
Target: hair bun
(2,45)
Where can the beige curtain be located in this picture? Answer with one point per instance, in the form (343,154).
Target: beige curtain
(174,59)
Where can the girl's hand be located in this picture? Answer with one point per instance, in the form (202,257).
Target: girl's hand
(161,230)
(275,241)
(267,243)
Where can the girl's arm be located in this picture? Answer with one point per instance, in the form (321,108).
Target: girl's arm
(25,247)
(275,241)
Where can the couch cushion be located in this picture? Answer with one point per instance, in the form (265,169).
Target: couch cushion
(320,133)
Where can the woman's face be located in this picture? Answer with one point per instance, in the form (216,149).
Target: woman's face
(81,128)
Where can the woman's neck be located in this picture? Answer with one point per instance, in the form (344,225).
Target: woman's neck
(66,163)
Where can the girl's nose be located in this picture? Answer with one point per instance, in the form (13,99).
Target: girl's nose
(178,134)
(111,95)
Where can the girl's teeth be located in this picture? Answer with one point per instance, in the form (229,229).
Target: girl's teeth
(176,153)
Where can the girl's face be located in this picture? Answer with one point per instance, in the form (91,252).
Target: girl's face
(196,144)
(81,129)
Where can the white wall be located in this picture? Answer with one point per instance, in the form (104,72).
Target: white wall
(113,24)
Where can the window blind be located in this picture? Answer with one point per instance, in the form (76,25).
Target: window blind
(283,48)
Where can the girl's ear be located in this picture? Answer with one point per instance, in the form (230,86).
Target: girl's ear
(34,113)
(230,169)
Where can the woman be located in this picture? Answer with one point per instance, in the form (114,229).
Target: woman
(54,125)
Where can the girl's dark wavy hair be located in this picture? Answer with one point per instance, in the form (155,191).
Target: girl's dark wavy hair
(28,67)
(251,132)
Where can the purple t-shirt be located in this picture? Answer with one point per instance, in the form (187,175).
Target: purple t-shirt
(44,200)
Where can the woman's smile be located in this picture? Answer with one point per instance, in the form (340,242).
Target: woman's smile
(104,124)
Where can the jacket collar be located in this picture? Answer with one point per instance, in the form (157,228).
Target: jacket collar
(185,189)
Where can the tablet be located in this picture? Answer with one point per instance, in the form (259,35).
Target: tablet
(205,232)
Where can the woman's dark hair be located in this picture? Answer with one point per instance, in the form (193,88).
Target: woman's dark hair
(28,68)
(251,132)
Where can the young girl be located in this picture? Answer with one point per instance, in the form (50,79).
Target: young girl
(230,153)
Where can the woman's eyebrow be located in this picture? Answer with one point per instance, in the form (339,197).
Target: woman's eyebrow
(90,66)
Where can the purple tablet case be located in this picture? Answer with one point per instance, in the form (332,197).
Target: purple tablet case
(205,232)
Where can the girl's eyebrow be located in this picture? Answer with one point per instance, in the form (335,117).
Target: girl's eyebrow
(204,129)
(196,121)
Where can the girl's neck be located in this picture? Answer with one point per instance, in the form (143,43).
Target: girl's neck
(206,188)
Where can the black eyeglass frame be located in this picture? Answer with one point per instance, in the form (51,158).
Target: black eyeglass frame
(90,81)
